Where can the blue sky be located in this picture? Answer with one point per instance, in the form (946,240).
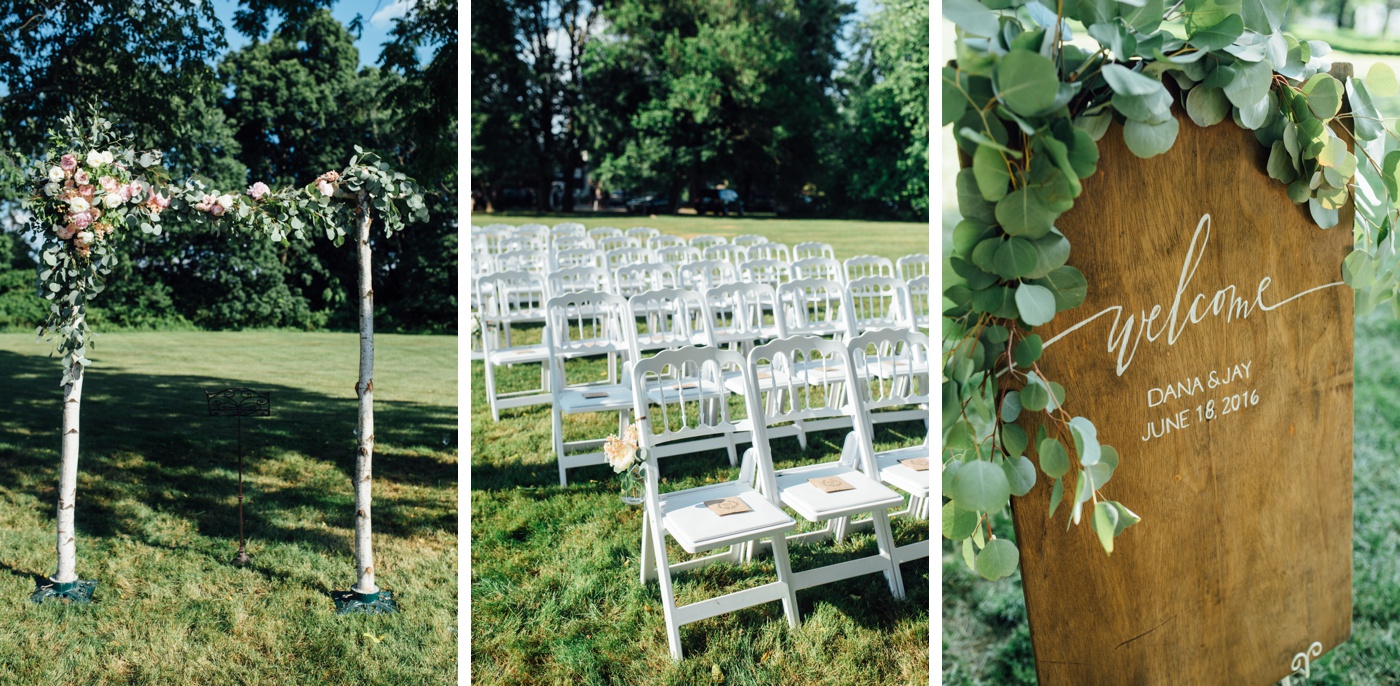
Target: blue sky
(378,20)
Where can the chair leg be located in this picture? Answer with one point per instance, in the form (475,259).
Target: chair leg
(668,594)
(491,391)
(648,561)
(559,444)
(784,567)
(838,528)
(885,538)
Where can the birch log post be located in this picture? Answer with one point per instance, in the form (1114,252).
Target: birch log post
(364,551)
(68,480)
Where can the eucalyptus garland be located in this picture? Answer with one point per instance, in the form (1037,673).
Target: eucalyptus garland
(1028,108)
(91,187)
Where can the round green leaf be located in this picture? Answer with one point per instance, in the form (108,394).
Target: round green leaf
(981,486)
(1014,258)
(1125,81)
(1020,473)
(967,234)
(998,559)
(991,171)
(1027,82)
(1054,459)
(1105,522)
(984,255)
(1381,82)
(1068,285)
(1149,140)
(958,523)
(1218,35)
(1028,350)
(1207,106)
(1024,213)
(1034,397)
(1051,253)
(1010,406)
(1324,95)
(1013,439)
(1035,303)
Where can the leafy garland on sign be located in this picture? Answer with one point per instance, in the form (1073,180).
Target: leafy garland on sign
(1028,107)
(90,188)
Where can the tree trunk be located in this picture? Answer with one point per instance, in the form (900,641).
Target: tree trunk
(68,480)
(1341,14)
(364,552)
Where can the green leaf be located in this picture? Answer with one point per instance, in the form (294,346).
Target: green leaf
(1202,14)
(1149,140)
(992,173)
(981,486)
(1014,259)
(1105,522)
(958,524)
(1218,35)
(1126,517)
(1020,473)
(1068,286)
(1263,16)
(971,204)
(967,234)
(1013,439)
(1280,164)
(998,559)
(1028,350)
(1207,106)
(1324,95)
(1125,81)
(976,278)
(1250,83)
(1027,82)
(1024,213)
(1034,397)
(1035,303)
(1083,154)
(984,255)
(1051,253)
(1056,495)
(972,17)
(1054,459)
(1010,406)
(1381,81)
(1389,170)
(994,140)
(1094,125)
(1086,440)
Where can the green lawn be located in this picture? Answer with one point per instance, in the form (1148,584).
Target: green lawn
(847,237)
(985,639)
(157,519)
(555,593)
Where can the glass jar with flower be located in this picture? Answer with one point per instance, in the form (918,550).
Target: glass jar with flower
(627,457)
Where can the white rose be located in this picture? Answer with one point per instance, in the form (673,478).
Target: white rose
(51,189)
(112,200)
(55,174)
(94,158)
(107,157)
(226,201)
(78,204)
(86,237)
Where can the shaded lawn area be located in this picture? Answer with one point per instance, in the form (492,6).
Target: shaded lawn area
(555,591)
(157,512)
(848,237)
(985,639)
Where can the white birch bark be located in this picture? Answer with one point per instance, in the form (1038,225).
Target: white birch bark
(364,552)
(68,480)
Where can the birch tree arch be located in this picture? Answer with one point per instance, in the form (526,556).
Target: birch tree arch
(90,188)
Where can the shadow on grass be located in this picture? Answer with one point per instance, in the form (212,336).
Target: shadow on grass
(149,444)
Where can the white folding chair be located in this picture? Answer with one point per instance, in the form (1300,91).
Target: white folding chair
(643,233)
(740,314)
(677,255)
(586,323)
(575,279)
(664,241)
(861,266)
(568,229)
(669,318)
(600,232)
(707,274)
(919,301)
(533,261)
(531,237)
(621,257)
(900,394)
(878,302)
(672,424)
(706,241)
(612,243)
(807,249)
(569,242)
(749,239)
(632,279)
(912,266)
(506,298)
(580,257)
(494,238)
(733,254)
(799,400)
(814,307)
(770,251)
(772,272)
(819,268)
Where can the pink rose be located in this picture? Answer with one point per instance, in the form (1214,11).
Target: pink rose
(65,232)
(325,188)
(81,176)
(109,184)
(258,190)
(86,191)
(216,209)
(80,220)
(68,163)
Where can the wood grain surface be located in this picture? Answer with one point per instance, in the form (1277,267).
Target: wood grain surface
(1243,555)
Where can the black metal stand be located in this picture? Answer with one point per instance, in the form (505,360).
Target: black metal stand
(239,403)
(79,591)
(350,602)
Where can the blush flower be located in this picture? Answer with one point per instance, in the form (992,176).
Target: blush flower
(81,177)
(258,190)
(80,220)
(68,163)
(65,232)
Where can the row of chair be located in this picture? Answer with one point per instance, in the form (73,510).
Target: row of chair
(680,400)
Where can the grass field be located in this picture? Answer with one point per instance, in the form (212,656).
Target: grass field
(847,237)
(157,518)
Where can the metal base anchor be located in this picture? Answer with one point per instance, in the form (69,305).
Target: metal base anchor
(79,591)
(242,559)
(350,602)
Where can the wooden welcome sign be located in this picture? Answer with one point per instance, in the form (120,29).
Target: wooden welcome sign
(1214,351)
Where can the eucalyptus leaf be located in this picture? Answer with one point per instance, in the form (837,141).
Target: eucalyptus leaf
(1035,303)
(1149,140)
(1381,81)
(1014,259)
(981,486)
(1023,213)
(1020,473)
(1219,34)
(1054,459)
(998,559)
(1105,523)
(1027,82)
(1207,106)
(958,523)
(1250,84)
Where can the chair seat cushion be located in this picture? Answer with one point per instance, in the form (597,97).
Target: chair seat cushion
(817,505)
(697,529)
(572,400)
(895,474)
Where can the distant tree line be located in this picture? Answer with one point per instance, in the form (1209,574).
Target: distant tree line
(288,106)
(671,97)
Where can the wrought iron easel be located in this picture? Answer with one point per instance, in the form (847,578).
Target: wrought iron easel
(239,403)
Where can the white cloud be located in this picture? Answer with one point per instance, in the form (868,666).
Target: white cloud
(383,18)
